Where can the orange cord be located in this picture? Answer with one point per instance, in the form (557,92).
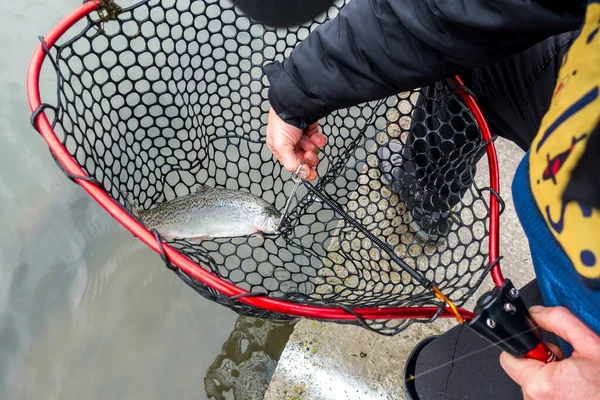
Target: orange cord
(438,293)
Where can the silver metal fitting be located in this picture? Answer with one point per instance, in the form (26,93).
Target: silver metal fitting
(509,307)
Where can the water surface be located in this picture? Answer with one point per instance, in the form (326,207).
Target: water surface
(86,310)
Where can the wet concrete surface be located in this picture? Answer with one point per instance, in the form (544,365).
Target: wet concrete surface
(331,361)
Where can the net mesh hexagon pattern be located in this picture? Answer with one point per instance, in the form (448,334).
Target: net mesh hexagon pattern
(170,94)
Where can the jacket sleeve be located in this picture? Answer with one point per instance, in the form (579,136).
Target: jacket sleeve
(376,48)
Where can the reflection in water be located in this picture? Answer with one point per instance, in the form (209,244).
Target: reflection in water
(248,359)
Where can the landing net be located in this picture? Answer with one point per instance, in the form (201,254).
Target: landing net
(159,97)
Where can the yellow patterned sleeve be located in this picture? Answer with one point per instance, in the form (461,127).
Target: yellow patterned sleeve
(573,115)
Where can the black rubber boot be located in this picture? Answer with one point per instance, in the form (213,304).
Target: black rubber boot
(435,165)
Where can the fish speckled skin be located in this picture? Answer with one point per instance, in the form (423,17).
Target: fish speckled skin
(211,213)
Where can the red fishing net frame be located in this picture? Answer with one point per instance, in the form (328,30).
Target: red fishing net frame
(174,257)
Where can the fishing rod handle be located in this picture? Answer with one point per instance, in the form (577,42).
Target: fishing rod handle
(503,319)
(542,353)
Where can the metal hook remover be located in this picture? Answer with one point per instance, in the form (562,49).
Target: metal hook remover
(297,180)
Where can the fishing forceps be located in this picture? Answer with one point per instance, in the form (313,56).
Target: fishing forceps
(297,178)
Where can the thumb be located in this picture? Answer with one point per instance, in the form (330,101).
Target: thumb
(520,369)
(562,322)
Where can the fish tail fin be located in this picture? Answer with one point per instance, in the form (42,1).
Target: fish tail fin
(136,209)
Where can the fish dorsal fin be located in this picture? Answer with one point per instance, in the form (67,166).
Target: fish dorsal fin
(202,189)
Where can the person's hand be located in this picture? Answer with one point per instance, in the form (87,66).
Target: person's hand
(292,146)
(577,377)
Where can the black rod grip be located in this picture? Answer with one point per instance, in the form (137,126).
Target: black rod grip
(503,319)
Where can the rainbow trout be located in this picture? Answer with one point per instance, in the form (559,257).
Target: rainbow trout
(211,213)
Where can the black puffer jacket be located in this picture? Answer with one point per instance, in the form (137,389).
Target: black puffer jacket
(375,48)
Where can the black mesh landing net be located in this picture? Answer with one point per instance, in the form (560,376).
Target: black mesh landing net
(164,95)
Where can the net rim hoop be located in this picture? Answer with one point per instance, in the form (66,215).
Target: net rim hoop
(490,149)
(215,282)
